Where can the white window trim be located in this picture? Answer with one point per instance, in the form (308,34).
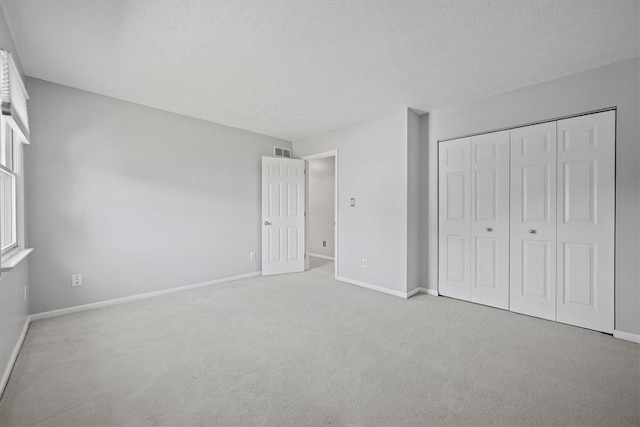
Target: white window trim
(17,254)
(13,172)
(13,105)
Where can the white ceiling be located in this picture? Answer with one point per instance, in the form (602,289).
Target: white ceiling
(297,69)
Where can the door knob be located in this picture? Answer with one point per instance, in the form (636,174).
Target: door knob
(532,231)
(489,229)
(267,223)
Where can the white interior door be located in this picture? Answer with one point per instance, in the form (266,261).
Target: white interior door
(283,200)
(586,195)
(533,220)
(490,219)
(453,216)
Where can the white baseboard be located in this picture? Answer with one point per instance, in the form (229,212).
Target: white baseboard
(422,291)
(404,295)
(413,292)
(329,258)
(432,292)
(372,287)
(627,336)
(14,355)
(84,307)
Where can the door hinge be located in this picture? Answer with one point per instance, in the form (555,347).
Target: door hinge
(305,171)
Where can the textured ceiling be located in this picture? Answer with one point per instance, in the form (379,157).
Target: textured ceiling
(297,69)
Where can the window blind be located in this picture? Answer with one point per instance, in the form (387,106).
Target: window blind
(13,95)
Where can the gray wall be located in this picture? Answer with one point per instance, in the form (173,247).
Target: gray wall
(428,244)
(13,308)
(322,206)
(615,85)
(413,201)
(372,168)
(135,199)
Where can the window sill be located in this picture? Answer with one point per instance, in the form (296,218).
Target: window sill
(16,258)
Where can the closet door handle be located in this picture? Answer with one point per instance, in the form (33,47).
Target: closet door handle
(267,223)
(489,229)
(532,231)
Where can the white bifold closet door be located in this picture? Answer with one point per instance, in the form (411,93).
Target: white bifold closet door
(490,219)
(474,219)
(586,187)
(533,220)
(454,212)
(527,220)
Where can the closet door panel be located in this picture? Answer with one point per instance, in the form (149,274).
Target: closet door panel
(454,218)
(586,195)
(533,220)
(490,219)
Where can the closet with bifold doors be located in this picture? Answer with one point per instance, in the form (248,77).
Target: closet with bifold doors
(526,219)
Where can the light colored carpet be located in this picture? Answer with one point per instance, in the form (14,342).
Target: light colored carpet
(304,349)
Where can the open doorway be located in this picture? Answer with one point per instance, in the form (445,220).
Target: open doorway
(321,221)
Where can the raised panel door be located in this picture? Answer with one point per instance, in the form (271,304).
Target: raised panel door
(283,193)
(489,273)
(454,218)
(586,195)
(533,220)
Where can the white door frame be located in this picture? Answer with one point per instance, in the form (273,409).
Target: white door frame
(316,156)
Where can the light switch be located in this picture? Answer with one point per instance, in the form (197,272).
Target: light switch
(352,202)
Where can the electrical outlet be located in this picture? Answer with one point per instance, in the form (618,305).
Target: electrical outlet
(76,280)
(252,256)
(324,243)
(364,263)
